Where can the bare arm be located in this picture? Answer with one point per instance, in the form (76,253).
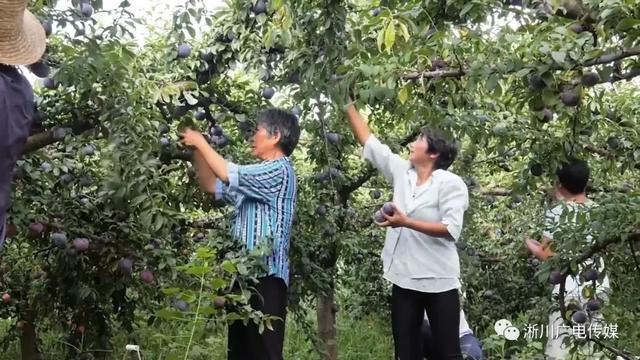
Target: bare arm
(358,126)
(215,163)
(206,177)
(542,250)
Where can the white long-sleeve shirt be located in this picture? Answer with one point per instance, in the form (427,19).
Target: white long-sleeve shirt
(413,260)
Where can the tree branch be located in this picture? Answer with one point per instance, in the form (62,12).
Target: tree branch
(603,59)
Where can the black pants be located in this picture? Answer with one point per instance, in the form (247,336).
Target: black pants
(407,315)
(244,342)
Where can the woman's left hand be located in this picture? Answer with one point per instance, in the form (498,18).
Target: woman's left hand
(399,218)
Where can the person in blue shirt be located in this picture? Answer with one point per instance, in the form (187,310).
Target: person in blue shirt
(22,42)
(264,196)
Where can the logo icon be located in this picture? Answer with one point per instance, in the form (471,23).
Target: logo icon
(503,327)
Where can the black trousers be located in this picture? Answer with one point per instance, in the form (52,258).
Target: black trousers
(244,342)
(407,315)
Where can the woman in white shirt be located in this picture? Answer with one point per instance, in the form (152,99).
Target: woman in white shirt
(419,255)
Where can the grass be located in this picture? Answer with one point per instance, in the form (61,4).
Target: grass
(363,339)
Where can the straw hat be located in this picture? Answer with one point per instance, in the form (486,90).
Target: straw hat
(22,37)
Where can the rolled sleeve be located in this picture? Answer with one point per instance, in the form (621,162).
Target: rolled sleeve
(232,174)
(259,181)
(381,157)
(453,202)
(222,192)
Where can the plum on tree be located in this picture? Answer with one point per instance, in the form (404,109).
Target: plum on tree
(570,97)
(182,305)
(332,137)
(590,79)
(577,28)
(220,141)
(146,276)
(594,304)
(59,133)
(59,239)
(536,82)
(49,83)
(86,181)
(164,141)
(40,69)
(86,9)
(219,302)
(207,57)
(260,7)
(438,64)
(200,115)
(181,111)
(36,229)
(184,50)
(88,150)
(579,317)
(376,11)
(545,115)
(321,210)
(126,266)
(81,244)
(376,194)
(590,275)
(198,237)
(66,179)
(216,130)
(613,143)
(555,277)
(47,25)
(536,169)
(268,93)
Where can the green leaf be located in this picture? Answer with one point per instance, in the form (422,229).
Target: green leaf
(627,24)
(558,56)
(218,283)
(170,291)
(229,267)
(169,314)
(466,8)
(404,31)
(389,36)
(198,270)
(492,82)
(204,253)
(380,39)
(403,95)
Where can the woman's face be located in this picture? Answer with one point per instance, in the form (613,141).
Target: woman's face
(418,151)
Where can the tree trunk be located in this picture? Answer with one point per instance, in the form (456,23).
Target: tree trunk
(326,315)
(29,339)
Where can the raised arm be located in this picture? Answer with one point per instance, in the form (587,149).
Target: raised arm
(206,177)
(375,152)
(358,126)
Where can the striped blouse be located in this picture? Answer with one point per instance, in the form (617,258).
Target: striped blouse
(264,196)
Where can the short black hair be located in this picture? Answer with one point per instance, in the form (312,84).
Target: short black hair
(285,123)
(439,143)
(573,175)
